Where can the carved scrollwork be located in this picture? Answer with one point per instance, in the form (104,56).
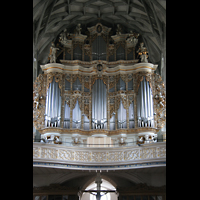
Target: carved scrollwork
(67,99)
(122,43)
(139,78)
(104,78)
(75,76)
(123,99)
(58,78)
(160,101)
(68,77)
(87,82)
(39,101)
(112,109)
(73,101)
(130,99)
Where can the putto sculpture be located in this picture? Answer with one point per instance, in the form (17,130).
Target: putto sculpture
(119,29)
(52,54)
(63,38)
(78,29)
(142,52)
(132,38)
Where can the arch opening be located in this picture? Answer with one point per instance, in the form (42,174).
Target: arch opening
(105,185)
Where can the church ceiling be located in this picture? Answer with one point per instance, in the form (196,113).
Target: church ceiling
(146,17)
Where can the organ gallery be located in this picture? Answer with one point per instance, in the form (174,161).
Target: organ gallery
(99,88)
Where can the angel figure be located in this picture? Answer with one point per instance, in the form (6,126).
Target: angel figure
(52,54)
(63,35)
(142,51)
(119,29)
(132,38)
(78,29)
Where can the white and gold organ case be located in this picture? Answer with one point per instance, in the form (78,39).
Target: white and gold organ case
(97,99)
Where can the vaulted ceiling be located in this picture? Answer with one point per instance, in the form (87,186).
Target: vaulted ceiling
(146,17)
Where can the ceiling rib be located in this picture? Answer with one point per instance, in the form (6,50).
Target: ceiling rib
(146,17)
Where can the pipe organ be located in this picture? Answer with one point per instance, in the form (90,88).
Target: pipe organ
(99,98)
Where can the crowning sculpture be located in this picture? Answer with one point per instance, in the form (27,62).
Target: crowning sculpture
(116,98)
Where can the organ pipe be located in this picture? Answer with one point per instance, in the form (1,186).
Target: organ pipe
(53,105)
(142,101)
(145,98)
(99,105)
(145,105)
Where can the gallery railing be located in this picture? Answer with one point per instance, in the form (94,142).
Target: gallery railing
(145,155)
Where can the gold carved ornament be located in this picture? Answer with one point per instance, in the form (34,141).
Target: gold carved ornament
(73,101)
(75,76)
(160,101)
(39,101)
(58,79)
(121,98)
(68,77)
(104,78)
(86,110)
(139,78)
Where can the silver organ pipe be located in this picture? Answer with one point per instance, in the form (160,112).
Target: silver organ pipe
(142,104)
(145,105)
(53,105)
(131,115)
(59,107)
(46,108)
(56,103)
(138,107)
(86,123)
(76,116)
(53,102)
(152,116)
(148,103)
(99,105)
(121,116)
(49,105)
(67,116)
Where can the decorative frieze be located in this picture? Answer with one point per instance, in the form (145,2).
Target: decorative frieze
(99,155)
